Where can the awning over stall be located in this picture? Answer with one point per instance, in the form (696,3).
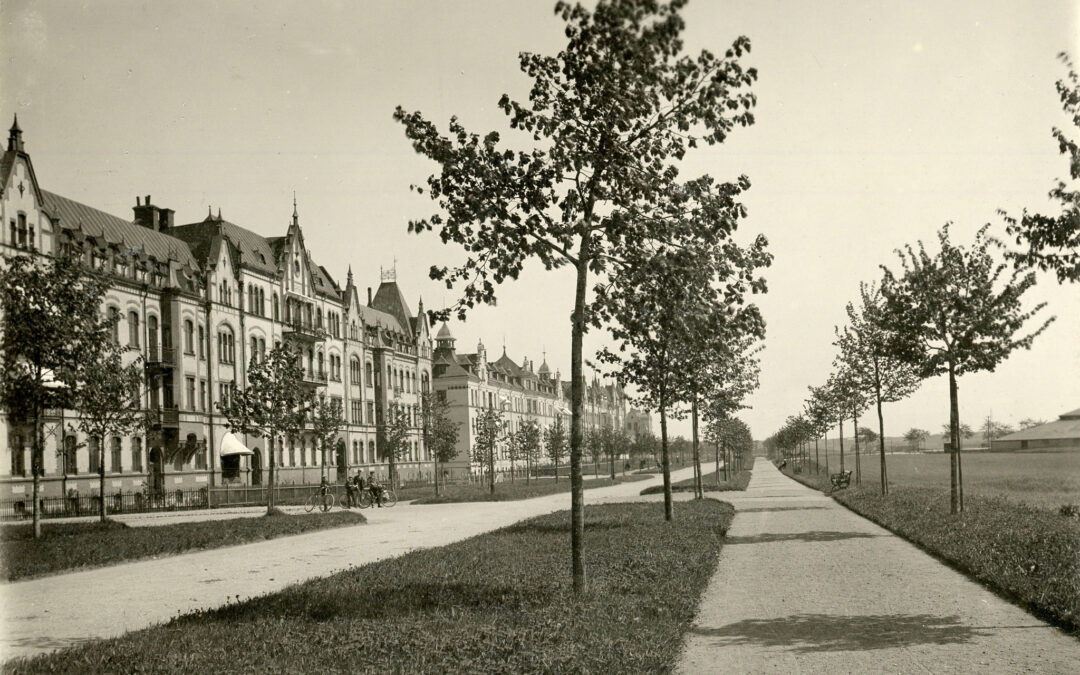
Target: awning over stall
(231,445)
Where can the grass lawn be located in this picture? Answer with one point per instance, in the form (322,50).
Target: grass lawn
(708,482)
(69,546)
(506,491)
(1049,479)
(496,603)
(1030,554)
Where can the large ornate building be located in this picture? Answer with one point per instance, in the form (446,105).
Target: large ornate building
(198,301)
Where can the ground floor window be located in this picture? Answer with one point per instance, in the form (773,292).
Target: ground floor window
(18,456)
(230,466)
(136,454)
(94,447)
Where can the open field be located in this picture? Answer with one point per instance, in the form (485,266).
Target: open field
(499,602)
(1049,479)
(66,547)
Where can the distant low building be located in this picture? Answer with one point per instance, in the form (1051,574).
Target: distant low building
(1061,434)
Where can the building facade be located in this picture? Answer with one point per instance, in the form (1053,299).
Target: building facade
(198,302)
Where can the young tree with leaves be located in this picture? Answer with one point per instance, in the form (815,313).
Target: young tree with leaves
(882,376)
(394,444)
(530,438)
(327,418)
(953,313)
(439,431)
(555,444)
(1053,242)
(489,432)
(611,115)
(109,402)
(272,406)
(915,437)
(52,322)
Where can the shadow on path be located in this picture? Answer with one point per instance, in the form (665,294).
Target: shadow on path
(781,508)
(817,535)
(807,633)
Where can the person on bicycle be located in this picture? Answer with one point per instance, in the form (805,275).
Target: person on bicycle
(350,492)
(375,487)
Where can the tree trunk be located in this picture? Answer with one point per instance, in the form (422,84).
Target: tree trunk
(956,495)
(727,465)
(101,478)
(841,426)
(699,492)
(491,467)
(37,455)
(611,456)
(717,462)
(270,482)
(881,430)
(826,437)
(817,456)
(665,463)
(855,432)
(577,387)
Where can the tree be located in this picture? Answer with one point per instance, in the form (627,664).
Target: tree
(611,114)
(819,416)
(489,432)
(915,437)
(966,431)
(867,435)
(108,402)
(555,444)
(1029,422)
(884,377)
(272,406)
(1053,242)
(327,417)
(529,441)
(395,440)
(951,314)
(594,443)
(51,324)
(992,431)
(440,432)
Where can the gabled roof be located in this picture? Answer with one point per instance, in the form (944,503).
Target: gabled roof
(1071,415)
(115,230)
(255,250)
(1066,426)
(389,299)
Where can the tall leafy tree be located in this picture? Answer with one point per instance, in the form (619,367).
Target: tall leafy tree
(915,437)
(530,438)
(610,115)
(327,418)
(108,402)
(395,440)
(440,432)
(489,433)
(955,312)
(555,444)
(1053,241)
(52,323)
(882,376)
(272,406)
(819,416)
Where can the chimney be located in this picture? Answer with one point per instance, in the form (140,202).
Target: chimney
(369,296)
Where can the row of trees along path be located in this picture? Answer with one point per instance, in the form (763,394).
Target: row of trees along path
(954,311)
(610,115)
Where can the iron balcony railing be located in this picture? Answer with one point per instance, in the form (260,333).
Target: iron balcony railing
(304,331)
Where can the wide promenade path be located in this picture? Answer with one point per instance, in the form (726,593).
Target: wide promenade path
(40,615)
(806,586)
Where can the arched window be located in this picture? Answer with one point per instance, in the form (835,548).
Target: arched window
(152,336)
(354,372)
(356,452)
(254,356)
(371,451)
(321,370)
(114,321)
(276,307)
(133,329)
(369,373)
(116,464)
(189,337)
(136,454)
(71,465)
(262,302)
(226,345)
(262,349)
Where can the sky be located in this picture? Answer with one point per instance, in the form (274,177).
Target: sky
(876,123)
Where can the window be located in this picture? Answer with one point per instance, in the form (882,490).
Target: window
(303,452)
(292,453)
(356,452)
(202,395)
(371,451)
(200,455)
(254,356)
(117,463)
(71,465)
(262,349)
(190,393)
(371,412)
(136,454)
(357,412)
(114,324)
(22,231)
(202,343)
(262,302)
(369,374)
(277,307)
(94,448)
(354,372)
(226,346)
(133,329)
(189,337)
(18,456)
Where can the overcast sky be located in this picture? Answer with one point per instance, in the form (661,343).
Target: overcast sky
(877,122)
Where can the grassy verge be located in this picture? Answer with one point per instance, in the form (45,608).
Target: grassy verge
(708,481)
(66,547)
(499,602)
(506,492)
(1026,553)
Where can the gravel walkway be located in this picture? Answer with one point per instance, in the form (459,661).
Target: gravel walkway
(806,586)
(40,615)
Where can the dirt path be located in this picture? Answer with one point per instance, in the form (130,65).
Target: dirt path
(806,586)
(40,615)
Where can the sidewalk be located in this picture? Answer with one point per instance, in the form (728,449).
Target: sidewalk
(806,586)
(40,615)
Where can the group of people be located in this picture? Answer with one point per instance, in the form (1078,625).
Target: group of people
(357,484)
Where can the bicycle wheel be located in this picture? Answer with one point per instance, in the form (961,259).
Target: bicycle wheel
(327,502)
(363,500)
(389,497)
(309,505)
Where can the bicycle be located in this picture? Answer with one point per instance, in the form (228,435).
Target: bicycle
(389,498)
(323,500)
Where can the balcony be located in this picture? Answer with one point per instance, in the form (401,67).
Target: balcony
(306,332)
(165,417)
(159,358)
(313,379)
